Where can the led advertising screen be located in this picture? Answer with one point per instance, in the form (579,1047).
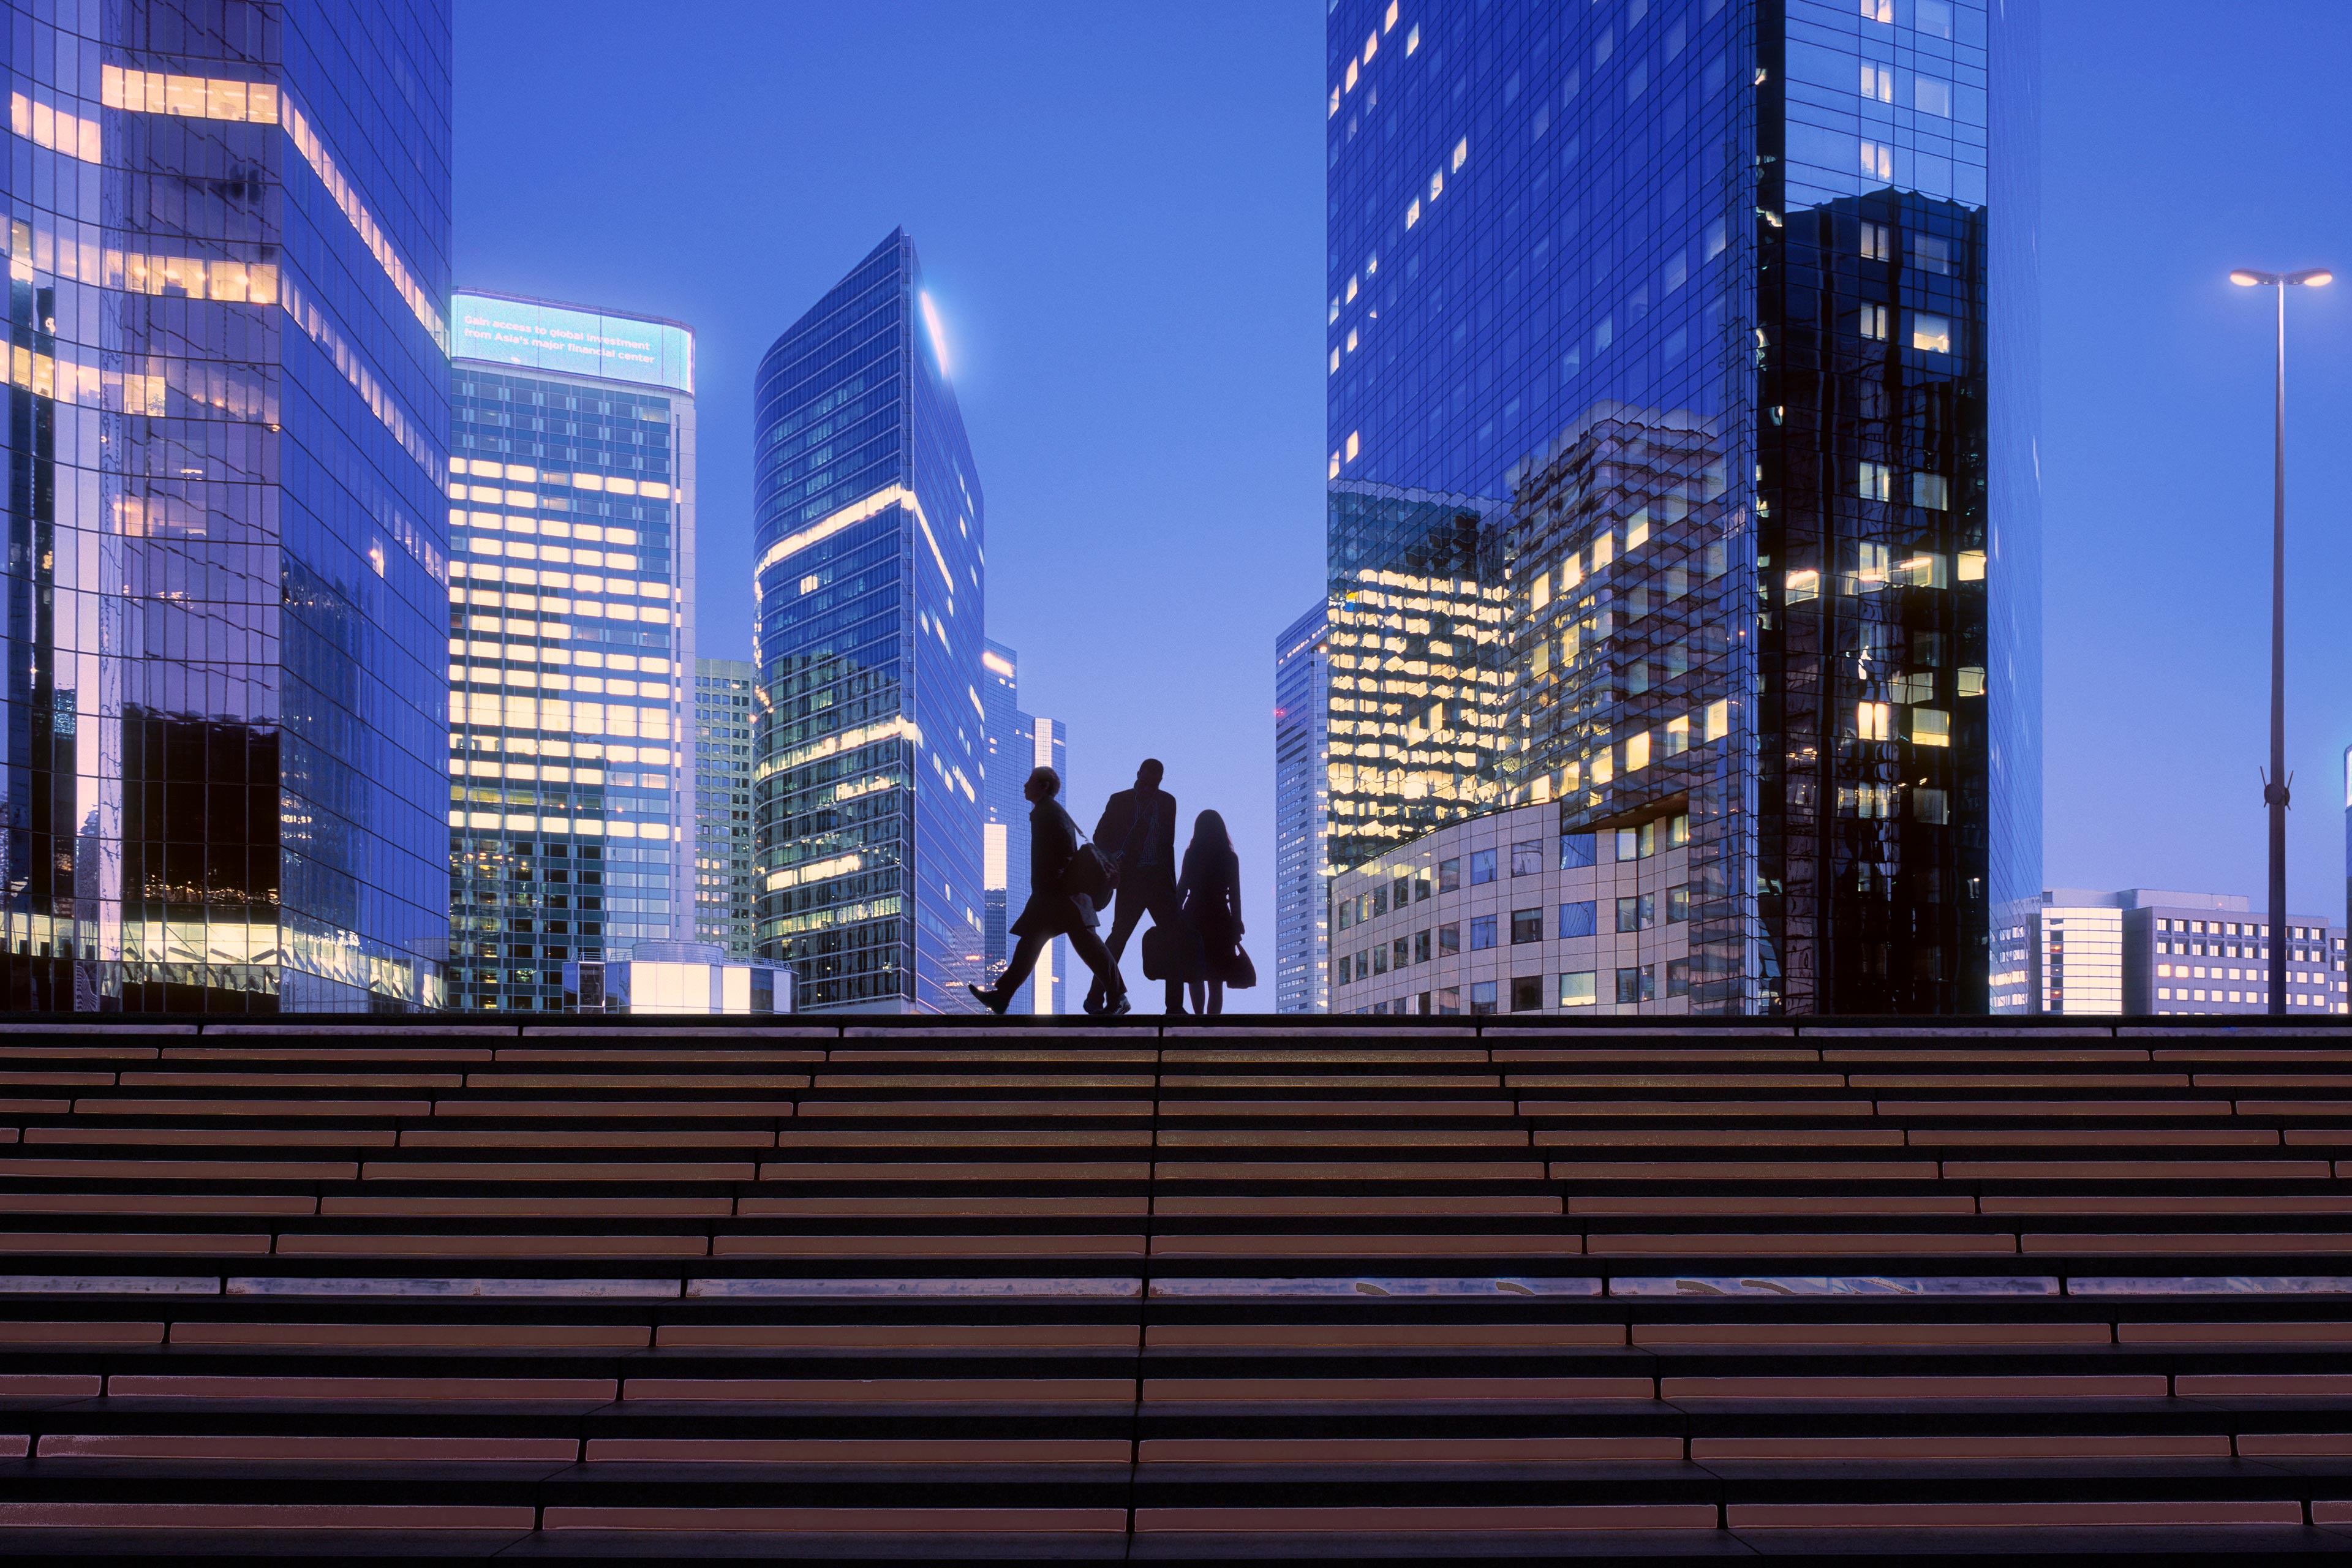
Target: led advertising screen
(583,342)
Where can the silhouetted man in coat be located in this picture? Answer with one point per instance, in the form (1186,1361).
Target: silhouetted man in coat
(1138,830)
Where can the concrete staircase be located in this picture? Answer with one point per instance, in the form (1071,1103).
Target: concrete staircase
(1334,1290)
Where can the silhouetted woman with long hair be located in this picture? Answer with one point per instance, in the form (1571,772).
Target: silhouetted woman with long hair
(1210,892)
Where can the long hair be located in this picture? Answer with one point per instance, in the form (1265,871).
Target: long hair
(1209,833)
(1209,859)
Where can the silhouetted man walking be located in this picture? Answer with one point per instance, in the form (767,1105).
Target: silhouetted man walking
(1139,827)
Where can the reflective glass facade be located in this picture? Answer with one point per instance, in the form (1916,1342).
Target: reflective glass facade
(1302,811)
(571,654)
(228,422)
(724,707)
(1018,743)
(871,754)
(1683,312)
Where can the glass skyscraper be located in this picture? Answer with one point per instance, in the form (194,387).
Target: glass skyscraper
(571,644)
(1681,425)
(724,708)
(1302,805)
(229,236)
(1018,744)
(871,756)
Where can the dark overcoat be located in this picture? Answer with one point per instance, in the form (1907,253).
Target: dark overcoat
(1137,827)
(1053,840)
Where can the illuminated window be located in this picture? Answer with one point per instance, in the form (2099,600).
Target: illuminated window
(1877,242)
(1877,83)
(1351,75)
(195,96)
(1972,565)
(1930,727)
(1870,322)
(1932,491)
(249,282)
(1576,990)
(1335,104)
(1413,213)
(1353,444)
(1678,735)
(1971,680)
(1637,752)
(1437,185)
(1335,361)
(1351,290)
(1461,151)
(1412,40)
(1351,340)
(46,125)
(1388,23)
(1371,47)
(1879,11)
(1877,160)
(1870,567)
(1875,481)
(1801,586)
(1874,721)
(1931,335)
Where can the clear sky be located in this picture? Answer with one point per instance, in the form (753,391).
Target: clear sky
(1120,212)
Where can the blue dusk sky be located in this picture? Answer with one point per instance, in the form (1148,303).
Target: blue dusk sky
(1120,211)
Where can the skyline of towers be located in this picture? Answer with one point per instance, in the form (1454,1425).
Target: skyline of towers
(227,427)
(572,526)
(868,529)
(1674,411)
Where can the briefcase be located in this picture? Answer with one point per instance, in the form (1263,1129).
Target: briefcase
(1172,952)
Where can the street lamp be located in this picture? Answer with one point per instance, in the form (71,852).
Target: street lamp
(2275,793)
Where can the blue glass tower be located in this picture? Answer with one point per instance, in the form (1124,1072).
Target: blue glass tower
(871,754)
(228,424)
(1681,462)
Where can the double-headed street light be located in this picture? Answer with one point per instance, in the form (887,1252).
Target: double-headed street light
(2274,795)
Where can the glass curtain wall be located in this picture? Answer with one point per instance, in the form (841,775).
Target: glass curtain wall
(869,532)
(227,427)
(1680,309)
(571,644)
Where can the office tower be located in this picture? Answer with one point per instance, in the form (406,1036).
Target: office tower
(1302,690)
(571,643)
(1680,414)
(723,712)
(2148,950)
(1018,743)
(869,532)
(227,418)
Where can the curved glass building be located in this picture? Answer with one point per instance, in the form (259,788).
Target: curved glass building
(227,431)
(1681,359)
(868,773)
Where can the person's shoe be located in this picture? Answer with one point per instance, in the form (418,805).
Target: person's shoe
(1117,1007)
(987,998)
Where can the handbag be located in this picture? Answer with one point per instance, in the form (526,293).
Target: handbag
(1245,973)
(1087,875)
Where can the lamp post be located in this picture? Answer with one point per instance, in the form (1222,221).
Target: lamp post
(2274,792)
